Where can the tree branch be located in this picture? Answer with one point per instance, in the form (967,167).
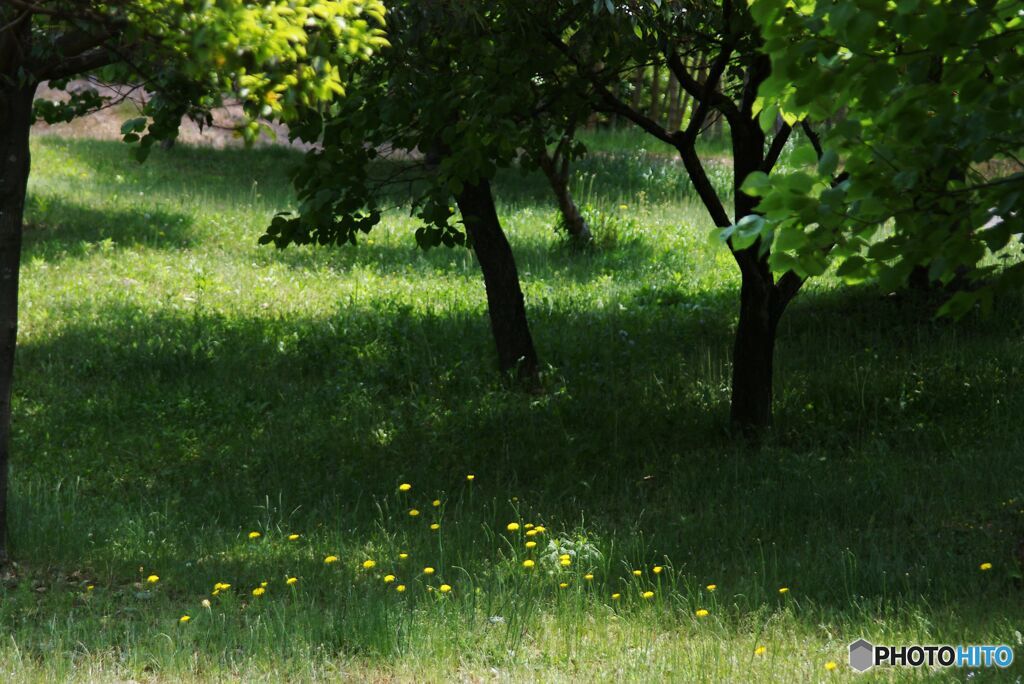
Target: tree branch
(778,142)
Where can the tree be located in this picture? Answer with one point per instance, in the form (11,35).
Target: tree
(929,102)
(458,91)
(602,41)
(275,56)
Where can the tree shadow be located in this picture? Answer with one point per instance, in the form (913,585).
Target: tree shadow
(59,229)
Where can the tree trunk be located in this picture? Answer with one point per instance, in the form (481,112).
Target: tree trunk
(504,296)
(557,172)
(654,112)
(762,300)
(672,102)
(15,124)
(639,83)
(753,352)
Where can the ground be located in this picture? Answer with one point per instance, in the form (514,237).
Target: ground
(179,388)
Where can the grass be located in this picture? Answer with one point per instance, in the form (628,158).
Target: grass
(179,387)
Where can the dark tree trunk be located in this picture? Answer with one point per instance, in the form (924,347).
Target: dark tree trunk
(762,300)
(504,296)
(672,102)
(655,110)
(556,169)
(754,350)
(15,124)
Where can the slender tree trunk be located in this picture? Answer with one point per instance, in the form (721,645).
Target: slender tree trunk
(639,83)
(504,296)
(556,169)
(655,110)
(672,101)
(15,124)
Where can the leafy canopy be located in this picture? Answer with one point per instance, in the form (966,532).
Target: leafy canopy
(927,104)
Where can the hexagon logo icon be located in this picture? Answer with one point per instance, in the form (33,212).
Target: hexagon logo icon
(862,655)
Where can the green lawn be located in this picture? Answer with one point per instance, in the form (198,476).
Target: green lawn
(179,387)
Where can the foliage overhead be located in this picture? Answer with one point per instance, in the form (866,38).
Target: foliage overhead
(274,57)
(457,91)
(926,100)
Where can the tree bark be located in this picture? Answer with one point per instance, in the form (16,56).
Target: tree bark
(505,303)
(556,169)
(672,102)
(655,110)
(762,300)
(15,124)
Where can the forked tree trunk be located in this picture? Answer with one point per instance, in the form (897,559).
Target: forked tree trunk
(505,303)
(15,124)
(557,173)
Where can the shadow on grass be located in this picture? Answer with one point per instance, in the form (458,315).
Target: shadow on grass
(58,229)
(205,418)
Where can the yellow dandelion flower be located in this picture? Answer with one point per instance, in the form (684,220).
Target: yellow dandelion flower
(400,588)
(263,584)
(540,529)
(369,564)
(259,591)
(435,526)
(648,594)
(657,569)
(292,537)
(404,487)
(563,585)
(588,577)
(413,512)
(985,566)
(153,579)
(221,586)
(331,559)
(90,587)
(711,587)
(470,477)
(565,562)
(445,588)
(215,592)
(254,535)
(205,603)
(291,581)
(830,665)
(403,556)
(532,533)
(760,650)
(184,618)
(637,573)
(512,527)
(623,206)
(616,597)
(428,570)
(528,564)
(435,503)
(784,590)
(528,526)
(388,579)
(702,612)
(531,544)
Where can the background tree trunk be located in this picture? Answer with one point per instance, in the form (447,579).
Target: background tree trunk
(556,169)
(672,102)
(15,125)
(654,112)
(504,296)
